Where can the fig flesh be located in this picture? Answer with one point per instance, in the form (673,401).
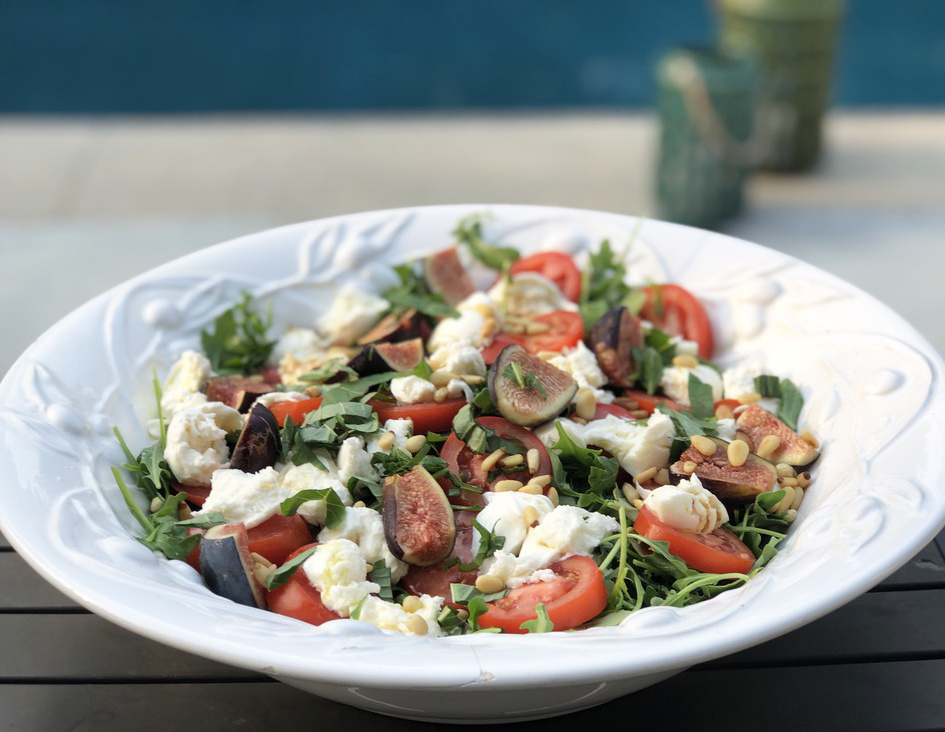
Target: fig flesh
(396,328)
(446,276)
(612,339)
(755,423)
(380,357)
(418,519)
(238,392)
(731,484)
(526,390)
(259,443)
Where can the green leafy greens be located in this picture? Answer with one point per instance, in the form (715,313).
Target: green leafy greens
(469,232)
(238,344)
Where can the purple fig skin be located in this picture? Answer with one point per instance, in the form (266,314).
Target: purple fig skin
(418,519)
(612,339)
(259,443)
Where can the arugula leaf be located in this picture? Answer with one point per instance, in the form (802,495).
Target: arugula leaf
(469,232)
(398,462)
(700,398)
(237,344)
(335,509)
(604,285)
(413,293)
(583,466)
(542,623)
(284,573)
(489,543)
(295,449)
(792,401)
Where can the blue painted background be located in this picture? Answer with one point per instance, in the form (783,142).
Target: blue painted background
(127,56)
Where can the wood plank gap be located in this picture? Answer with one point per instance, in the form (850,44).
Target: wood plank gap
(138,681)
(67,610)
(724,665)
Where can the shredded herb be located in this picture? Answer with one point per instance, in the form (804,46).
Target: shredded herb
(469,232)
(525,379)
(237,344)
(700,398)
(413,293)
(604,284)
(335,509)
(542,623)
(284,573)
(650,366)
(791,400)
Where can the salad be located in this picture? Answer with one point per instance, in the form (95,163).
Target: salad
(552,451)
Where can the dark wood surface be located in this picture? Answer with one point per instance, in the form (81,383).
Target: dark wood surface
(876,664)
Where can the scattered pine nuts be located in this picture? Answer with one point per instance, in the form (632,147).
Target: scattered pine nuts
(442,378)
(489,583)
(639,413)
(462,613)
(785,503)
(261,573)
(685,361)
(541,480)
(788,481)
(785,470)
(156,504)
(386,441)
(508,485)
(312,391)
(358,504)
(489,462)
(724,411)
(417,625)
(536,328)
(803,479)
(768,446)
(662,477)
(412,604)
(579,420)
(548,355)
(798,497)
(627,403)
(586,404)
(415,443)
(512,461)
(530,515)
(531,488)
(689,467)
(638,503)
(737,453)
(703,444)
(473,379)
(440,394)
(644,475)
(809,438)
(533,460)
(553,495)
(260,559)
(629,492)
(749,398)
(790,515)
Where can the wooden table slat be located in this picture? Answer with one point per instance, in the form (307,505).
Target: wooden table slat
(25,589)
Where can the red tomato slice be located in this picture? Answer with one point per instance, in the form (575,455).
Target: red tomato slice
(276,538)
(196,494)
(557,267)
(649,402)
(720,552)
(577,594)
(603,410)
(296,410)
(565,329)
(299,599)
(193,559)
(427,417)
(491,352)
(677,311)
(436,580)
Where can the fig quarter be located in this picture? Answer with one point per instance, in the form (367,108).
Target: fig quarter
(418,519)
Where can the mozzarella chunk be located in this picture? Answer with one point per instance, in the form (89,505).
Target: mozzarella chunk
(352,313)
(675,382)
(726,428)
(581,363)
(456,388)
(458,358)
(196,441)
(307,476)
(186,378)
(302,343)
(687,506)
(527,295)
(354,461)
(391,616)
(684,347)
(503,516)
(338,570)
(565,531)
(280,397)
(478,322)
(365,527)
(402,429)
(248,497)
(739,380)
(412,389)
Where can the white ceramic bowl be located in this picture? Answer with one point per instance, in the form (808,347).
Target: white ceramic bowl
(874,396)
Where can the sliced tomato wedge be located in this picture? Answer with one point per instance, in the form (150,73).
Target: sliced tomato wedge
(196,494)
(720,552)
(603,410)
(557,267)
(677,311)
(565,329)
(277,537)
(491,352)
(295,410)
(300,599)
(427,417)
(575,595)
(649,402)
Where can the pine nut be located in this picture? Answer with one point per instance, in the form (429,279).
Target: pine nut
(685,361)
(790,515)
(785,470)
(487,584)
(803,479)
(788,481)
(689,467)
(749,398)
(417,625)
(358,504)
(156,504)
(541,480)
(724,411)
(532,489)
(183,512)
(785,503)
(768,446)
(548,355)
(578,420)
(586,404)
(530,515)
(512,461)
(638,503)
(703,444)
(386,442)
(462,613)
(473,379)
(535,328)
(627,403)
(644,475)
(442,378)
(553,495)
(737,453)
(440,394)
(260,559)
(489,462)
(412,604)
(662,476)
(415,443)
(809,438)
(533,460)
(507,485)
(261,573)
(798,497)
(629,492)
(312,391)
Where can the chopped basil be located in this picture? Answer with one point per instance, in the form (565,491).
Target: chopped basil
(284,573)
(792,401)
(469,232)
(700,398)
(335,509)
(649,368)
